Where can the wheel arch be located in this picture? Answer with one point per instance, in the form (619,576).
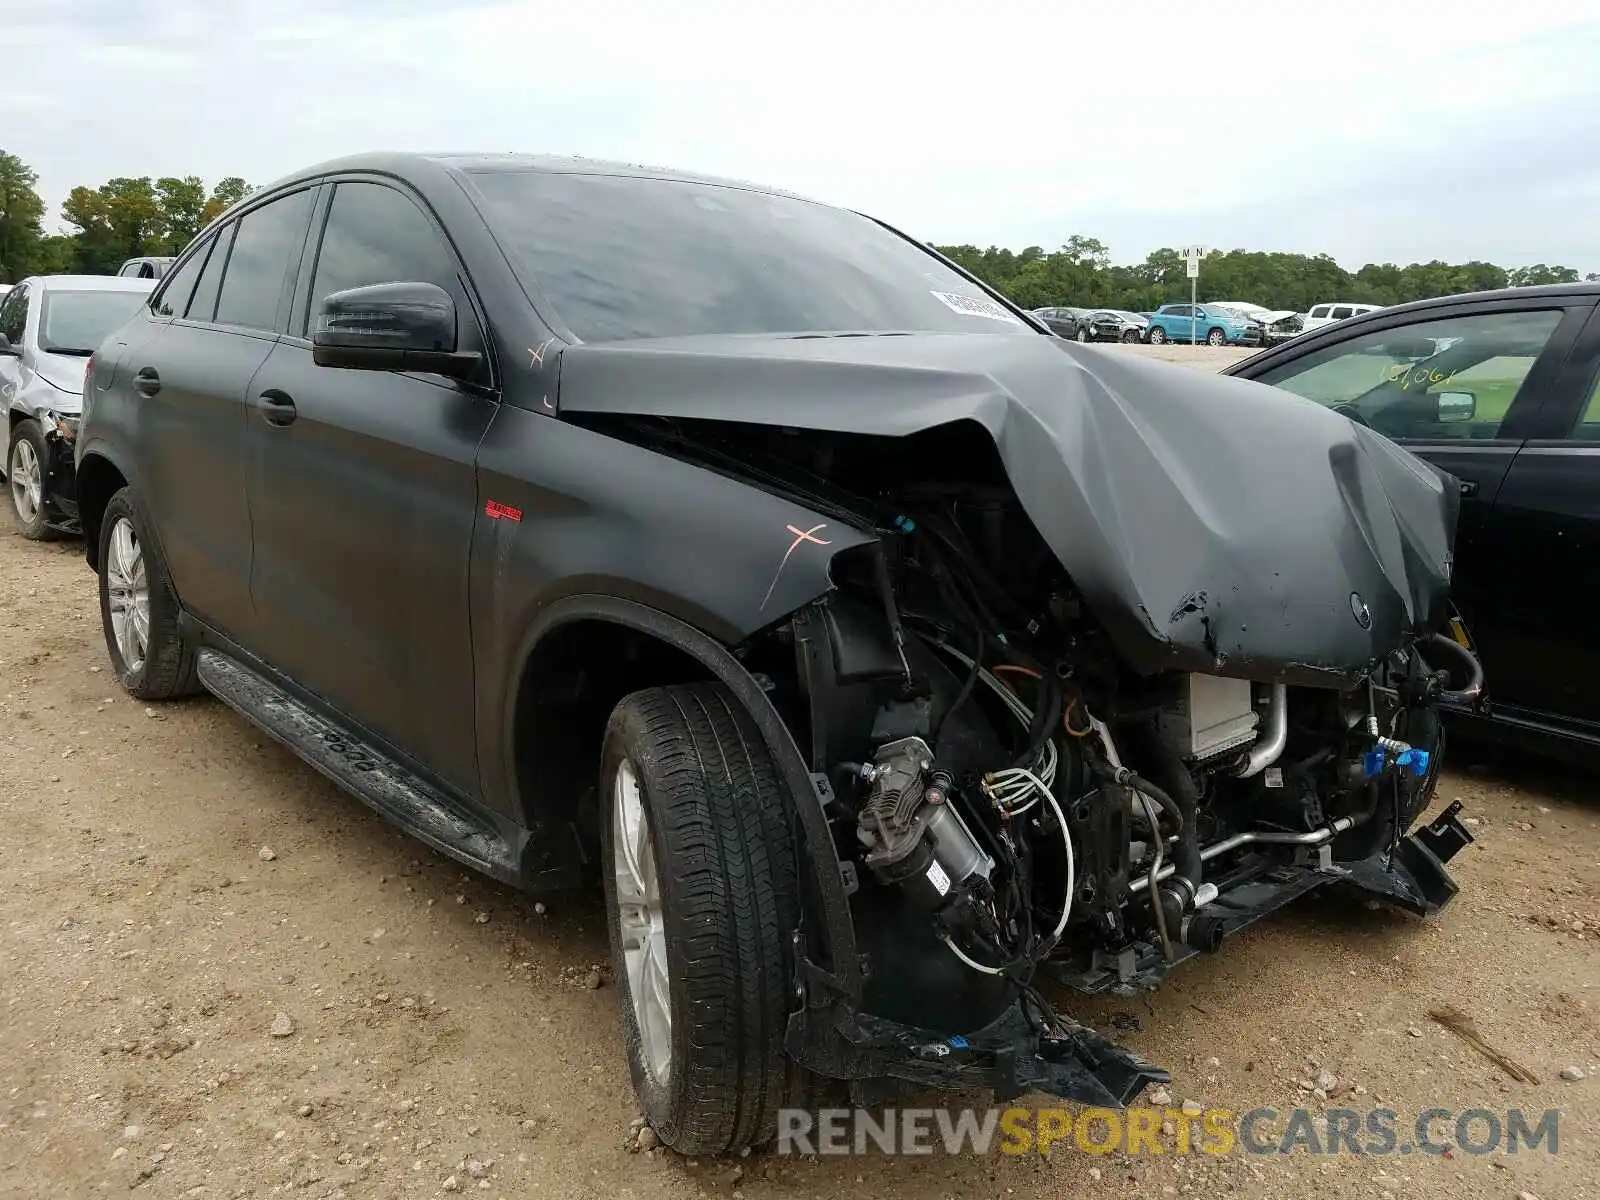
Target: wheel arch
(555,723)
(99,479)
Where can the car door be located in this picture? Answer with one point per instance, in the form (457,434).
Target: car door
(1467,409)
(1547,549)
(190,371)
(363,492)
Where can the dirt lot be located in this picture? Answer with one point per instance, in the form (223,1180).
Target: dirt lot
(171,882)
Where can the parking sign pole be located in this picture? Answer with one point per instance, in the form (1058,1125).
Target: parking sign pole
(1192,256)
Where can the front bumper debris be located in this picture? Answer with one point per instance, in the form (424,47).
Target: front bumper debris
(1010,1056)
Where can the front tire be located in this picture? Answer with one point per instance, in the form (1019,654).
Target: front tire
(1084,335)
(139,609)
(1216,338)
(702,901)
(26,456)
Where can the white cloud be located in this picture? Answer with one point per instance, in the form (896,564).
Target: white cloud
(1020,123)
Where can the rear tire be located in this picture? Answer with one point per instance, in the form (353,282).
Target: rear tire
(1158,336)
(26,456)
(1216,338)
(1131,335)
(139,609)
(1084,335)
(696,813)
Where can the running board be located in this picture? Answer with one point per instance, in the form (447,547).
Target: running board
(373,777)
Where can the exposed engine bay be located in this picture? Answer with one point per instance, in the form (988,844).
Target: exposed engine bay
(1012,803)
(1095,680)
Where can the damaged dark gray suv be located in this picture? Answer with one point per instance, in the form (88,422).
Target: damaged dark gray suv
(885,656)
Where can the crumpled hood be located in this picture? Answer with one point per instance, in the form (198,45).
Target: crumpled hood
(1211,523)
(65,372)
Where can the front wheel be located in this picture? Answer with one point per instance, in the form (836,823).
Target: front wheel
(26,457)
(702,901)
(1216,338)
(139,608)
(1083,334)
(1158,336)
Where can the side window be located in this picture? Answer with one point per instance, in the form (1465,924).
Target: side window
(267,245)
(1340,312)
(376,234)
(1177,310)
(203,307)
(173,298)
(1319,311)
(14,314)
(1454,378)
(1588,427)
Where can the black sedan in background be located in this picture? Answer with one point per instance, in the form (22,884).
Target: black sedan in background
(1502,390)
(1065,322)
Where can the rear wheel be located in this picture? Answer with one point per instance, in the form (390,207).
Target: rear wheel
(25,472)
(1131,335)
(1158,335)
(702,900)
(1083,334)
(1216,338)
(139,609)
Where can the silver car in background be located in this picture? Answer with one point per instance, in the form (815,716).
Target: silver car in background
(49,326)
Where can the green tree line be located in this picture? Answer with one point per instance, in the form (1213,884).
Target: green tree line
(1081,274)
(123,218)
(106,225)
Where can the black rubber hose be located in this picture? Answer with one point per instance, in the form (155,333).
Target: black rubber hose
(1474,687)
(1045,719)
(1187,861)
(1138,783)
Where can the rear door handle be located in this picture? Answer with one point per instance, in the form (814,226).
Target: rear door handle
(146,382)
(276,407)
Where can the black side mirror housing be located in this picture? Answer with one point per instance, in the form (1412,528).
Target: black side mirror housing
(390,327)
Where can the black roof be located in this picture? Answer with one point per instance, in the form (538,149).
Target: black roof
(473,163)
(1553,291)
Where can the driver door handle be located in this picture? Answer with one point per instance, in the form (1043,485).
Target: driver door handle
(277,408)
(1469,487)
(146,381)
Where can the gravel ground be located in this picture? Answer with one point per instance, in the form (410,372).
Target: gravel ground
(224,978)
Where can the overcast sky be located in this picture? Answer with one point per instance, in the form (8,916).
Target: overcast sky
(1370,129)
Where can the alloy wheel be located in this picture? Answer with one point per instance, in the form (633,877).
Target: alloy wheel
(641,922)
(128,594)
(27,481)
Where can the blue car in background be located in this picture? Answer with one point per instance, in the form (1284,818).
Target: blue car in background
(1213,324)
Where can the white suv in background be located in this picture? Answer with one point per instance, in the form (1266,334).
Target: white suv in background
(1327,314)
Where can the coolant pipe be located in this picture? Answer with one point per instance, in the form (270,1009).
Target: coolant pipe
(1273,738)
(1271,837)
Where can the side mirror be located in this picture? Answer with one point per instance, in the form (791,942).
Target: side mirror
(1454,407)
(390,327)
(7,348)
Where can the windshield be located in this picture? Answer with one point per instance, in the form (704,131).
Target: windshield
(77,322)
(626,257)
